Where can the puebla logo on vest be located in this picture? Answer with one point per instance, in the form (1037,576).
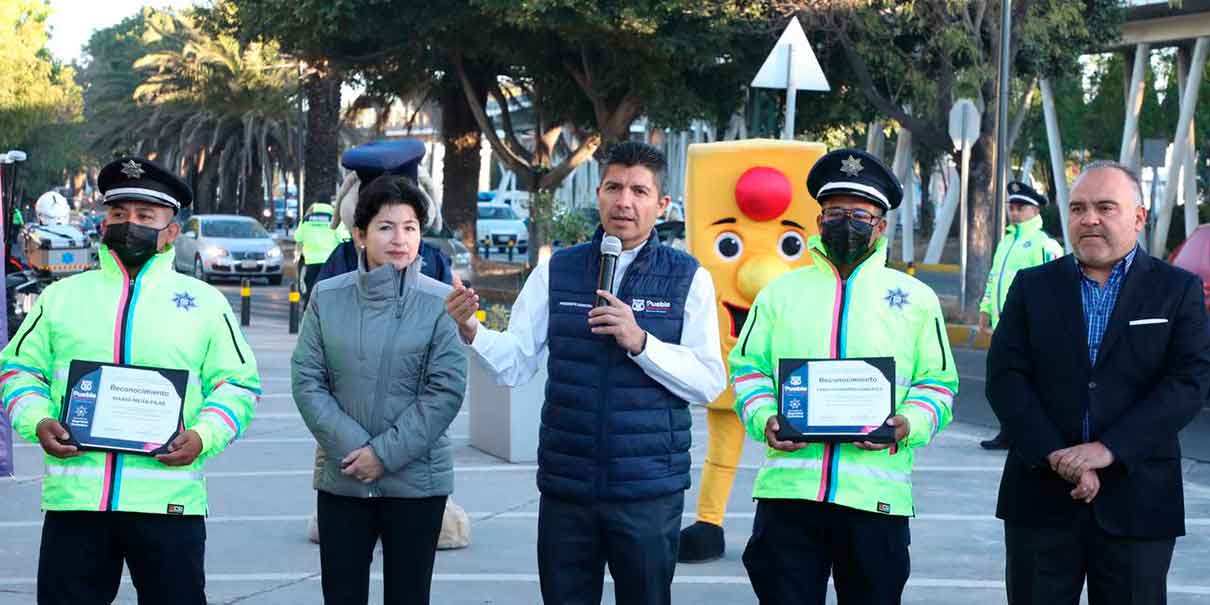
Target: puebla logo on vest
(896,298)
(1027,245)
(650,307)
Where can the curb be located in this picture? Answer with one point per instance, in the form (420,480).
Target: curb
(967,337)
(912,268)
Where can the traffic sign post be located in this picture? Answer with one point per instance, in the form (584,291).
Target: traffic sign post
(791,66)
(964,131)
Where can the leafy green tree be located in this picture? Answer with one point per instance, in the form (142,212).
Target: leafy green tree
(583,67)
(40,103)
(206,106)
(927,53)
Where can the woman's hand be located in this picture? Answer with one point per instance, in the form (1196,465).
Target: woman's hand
(363,464)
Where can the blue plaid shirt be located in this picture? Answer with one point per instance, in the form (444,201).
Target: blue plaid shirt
(1099,302)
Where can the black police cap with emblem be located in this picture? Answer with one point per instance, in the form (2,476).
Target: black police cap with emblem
(856,173)
(141,180)
(1020,193)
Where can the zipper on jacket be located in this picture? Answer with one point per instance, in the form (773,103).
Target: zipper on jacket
(743,350)
(111,459)
(600,481)
(1003,266)
(831,450)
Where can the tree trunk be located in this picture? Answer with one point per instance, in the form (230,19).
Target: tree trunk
(927,212)
(205,190)
(322,144)
(460,134)
(228,197)
(254,190)
(980,222)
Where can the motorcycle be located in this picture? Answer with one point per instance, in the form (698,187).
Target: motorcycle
(21,289)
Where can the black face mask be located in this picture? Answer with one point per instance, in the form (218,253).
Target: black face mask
(134,244)
(846,240)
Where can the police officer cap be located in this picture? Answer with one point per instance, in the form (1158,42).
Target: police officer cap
(137,179)
(1020,193)
(856,173)
(377,158)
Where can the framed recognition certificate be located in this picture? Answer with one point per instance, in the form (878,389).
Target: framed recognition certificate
(836,399)
(112,407)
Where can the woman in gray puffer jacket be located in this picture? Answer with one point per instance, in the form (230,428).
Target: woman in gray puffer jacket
(379,375)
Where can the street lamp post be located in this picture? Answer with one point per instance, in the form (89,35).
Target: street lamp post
(1002,150)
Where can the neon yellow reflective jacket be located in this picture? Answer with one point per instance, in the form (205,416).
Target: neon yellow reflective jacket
(1023,246)
(316,236)
(877,312)
(159,318)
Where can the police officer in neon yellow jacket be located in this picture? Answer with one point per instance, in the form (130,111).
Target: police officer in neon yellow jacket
(841,508)
(1024,245)
(315,239)
(103,508)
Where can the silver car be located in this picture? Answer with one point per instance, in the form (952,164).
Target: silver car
(227,245)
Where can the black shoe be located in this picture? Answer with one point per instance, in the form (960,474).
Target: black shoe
(999,442)
(701,543)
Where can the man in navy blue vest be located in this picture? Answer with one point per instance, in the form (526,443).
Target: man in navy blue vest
(613,448)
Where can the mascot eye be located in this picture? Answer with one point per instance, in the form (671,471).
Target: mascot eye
(729,246)
(791,245)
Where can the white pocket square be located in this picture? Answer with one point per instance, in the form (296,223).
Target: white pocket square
(1147,322)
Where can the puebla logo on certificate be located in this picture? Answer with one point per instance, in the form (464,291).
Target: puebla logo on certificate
(124,408)
(836,399)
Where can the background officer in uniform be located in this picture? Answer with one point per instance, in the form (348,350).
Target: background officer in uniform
(1024,245)
(104,509)
(841,509)
(316,239)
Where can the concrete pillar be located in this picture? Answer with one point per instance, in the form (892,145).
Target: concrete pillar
(1058,164)
(875,139)
(1188,192)
(1134,106)
(900,167)
(945,215)
(1180,151)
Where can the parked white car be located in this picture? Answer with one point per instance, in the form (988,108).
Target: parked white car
(498,223)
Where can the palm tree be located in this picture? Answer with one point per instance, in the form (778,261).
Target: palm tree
(215,111)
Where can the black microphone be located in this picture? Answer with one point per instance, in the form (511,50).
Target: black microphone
(611,247)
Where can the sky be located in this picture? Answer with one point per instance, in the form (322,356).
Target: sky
(73,21)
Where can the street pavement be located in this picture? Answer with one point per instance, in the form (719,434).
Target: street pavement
(261,498)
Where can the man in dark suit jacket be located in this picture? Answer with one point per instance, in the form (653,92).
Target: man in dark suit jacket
(1101,358)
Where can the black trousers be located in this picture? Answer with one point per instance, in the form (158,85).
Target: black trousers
(637,539)
(310,278)
(349,528)
(1048,565)
(81,557)
(797,544)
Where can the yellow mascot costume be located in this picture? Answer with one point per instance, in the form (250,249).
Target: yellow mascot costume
(748,219)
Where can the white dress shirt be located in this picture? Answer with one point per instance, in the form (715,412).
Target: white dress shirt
(692,370)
